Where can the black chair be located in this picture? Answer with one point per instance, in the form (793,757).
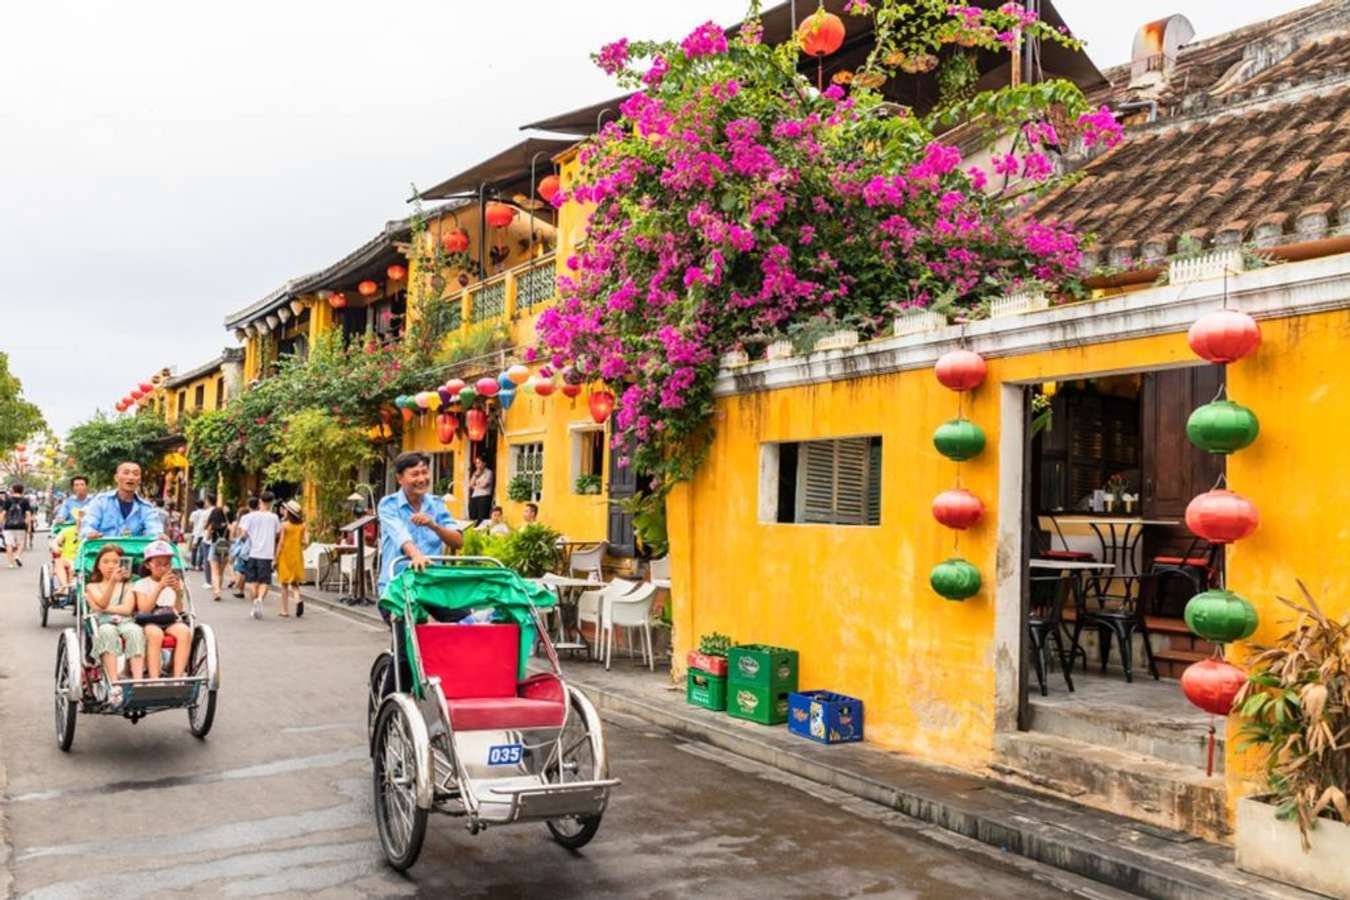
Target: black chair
(1043,545)
(1119,619)
(1199,565)
(1045,623)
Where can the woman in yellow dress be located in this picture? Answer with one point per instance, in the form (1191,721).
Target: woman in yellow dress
(291,557)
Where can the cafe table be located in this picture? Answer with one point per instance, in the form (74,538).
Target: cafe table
(1119,536)
(567,590)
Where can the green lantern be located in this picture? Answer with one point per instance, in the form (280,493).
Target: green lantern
(1220,616)
(1222,427)
(959,439)
(955,579)
(466,397)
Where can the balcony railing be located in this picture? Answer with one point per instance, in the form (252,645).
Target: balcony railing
(489,300)
(536,283)
(517,291)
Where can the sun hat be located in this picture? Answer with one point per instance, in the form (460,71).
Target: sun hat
(293,508)
(157,548)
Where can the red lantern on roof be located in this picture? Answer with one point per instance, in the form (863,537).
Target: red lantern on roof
(1212,685)
(146,387)
(1224,336)
(455,241)
(961,370)
(475,421)
(1221,516)
(367,288)
(958,508)
(549,186)
(137,394)
(822,33)
(446,426)
(337,300)
(499,215)
(602,404)
(396,272)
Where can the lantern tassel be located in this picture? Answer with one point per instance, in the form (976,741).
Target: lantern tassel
(1209,762)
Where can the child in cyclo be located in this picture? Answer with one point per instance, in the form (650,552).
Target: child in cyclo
(160,595)
(113,602)
(66,546)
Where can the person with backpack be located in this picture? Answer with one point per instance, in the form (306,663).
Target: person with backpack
(18,520)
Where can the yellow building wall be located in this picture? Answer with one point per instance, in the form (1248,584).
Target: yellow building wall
(855,601)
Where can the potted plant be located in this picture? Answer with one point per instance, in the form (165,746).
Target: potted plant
(1295,708)
(532,550)
(520,489)
(587,484)
(711,655)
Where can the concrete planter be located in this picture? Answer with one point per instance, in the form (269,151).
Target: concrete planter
(1271,848)
(843,339)
(735,358)
(916,321)
(779,350)
(1017,304)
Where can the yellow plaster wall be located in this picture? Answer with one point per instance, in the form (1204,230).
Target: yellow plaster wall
(856,601)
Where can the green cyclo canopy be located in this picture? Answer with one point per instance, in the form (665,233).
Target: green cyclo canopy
(1222,427)
(1220,616)
(955,579)
(959,439)
(132,547)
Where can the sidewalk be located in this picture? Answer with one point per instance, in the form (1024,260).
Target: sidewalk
(1113,850)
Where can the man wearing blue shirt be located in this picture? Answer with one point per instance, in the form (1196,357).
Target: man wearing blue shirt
(413,521)
(121,512)
(79,498)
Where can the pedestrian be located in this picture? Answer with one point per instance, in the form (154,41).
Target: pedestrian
(17,520)
(218,546)
(291,557)
(199,548)
(121,512)
(480,490)
(239,550)
(263,530)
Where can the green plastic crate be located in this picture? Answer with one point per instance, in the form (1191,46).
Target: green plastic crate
(762,666)
(758,704)
(706,690)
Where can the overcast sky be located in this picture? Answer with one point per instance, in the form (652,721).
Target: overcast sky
(166,163)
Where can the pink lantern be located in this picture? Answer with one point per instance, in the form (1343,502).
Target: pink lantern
(1221,516)
(487,387)
(958,508)
(1224,336)
(961,370)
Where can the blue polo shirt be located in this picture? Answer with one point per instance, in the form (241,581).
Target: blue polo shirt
(104,514)
(397,528)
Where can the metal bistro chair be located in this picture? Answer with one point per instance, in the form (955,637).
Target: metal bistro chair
(1043,545)
(1199,565)
(1119,619)
(1048,593)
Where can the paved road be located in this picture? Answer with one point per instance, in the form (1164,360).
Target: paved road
(276,801)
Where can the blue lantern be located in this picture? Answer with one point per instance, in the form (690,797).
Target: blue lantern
(505,381)
(506,396)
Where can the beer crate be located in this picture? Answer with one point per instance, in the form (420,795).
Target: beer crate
(825,717)
(706,690)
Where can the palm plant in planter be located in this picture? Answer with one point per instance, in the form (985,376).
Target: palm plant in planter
(1296,708)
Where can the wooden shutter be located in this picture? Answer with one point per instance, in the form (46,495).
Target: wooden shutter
(834,484)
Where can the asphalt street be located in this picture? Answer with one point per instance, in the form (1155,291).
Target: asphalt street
(276,801)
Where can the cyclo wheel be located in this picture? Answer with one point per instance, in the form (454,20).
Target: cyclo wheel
(381,685)
(200,715)
(65,707)
(44,592)
(401,823)
(578,761)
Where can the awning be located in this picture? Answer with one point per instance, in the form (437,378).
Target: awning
(504,172)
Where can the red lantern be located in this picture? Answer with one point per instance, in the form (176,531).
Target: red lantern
(544,386)
(455,241)
(367,288)
(487,386)
(455,385)
(549,186)
(571,390)
(146,387)
(1221,517)
(602,404)
(1211,684)
(1224,336)
(499,215)
(407,415)
(961,370)
(137,394)
(959,509)
(396,272)
(337,300)
(822,33)
(446,426)
(476,424)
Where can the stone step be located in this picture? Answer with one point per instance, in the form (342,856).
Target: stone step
(1150,730)
(1141,787)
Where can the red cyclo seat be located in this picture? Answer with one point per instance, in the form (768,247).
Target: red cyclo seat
(477,666)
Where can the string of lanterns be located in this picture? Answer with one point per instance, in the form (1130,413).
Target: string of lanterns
(139,396)
(1220,516)
(959,440)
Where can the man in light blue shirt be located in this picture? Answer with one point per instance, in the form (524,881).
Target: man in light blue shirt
(121,512)
(79,498)
(413,521)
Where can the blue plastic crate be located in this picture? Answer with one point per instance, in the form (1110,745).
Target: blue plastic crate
(825,717)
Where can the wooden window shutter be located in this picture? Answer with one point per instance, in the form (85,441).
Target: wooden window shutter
(835,483)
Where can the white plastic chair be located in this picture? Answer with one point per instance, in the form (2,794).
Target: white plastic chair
(658,572)
(314,556)
(588,563)
(630,611)
(591,605)
(347,569)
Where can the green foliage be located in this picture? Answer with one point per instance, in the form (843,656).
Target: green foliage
(520,489)
(101,444)
(19,419)
(715,644)
(532,550)
(587,484)
(649,522)
(319,448)
(479,341)
(956,78)
(478,542)
(211,438)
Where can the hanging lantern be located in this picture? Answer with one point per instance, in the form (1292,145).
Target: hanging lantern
(548,188)
(1224,336)
(518,374)
(499,215)
(446,426)
(146,387)
(961,370)
(822,33)
(504,382)
(1221,516)
(1222,427)
(506,397)
(447,398)
(1212,684)
(543,386)
(571,391)
(455,385)
(958,508)
(475,421)
(955,579)
(367,288)
(601,403)
(421,399)
(466,396)
(396,272)
(455,241)
(572,375)
(1220,617)
(337,300)
(527,387)
(959,439)
(137,394)
(407,415)
(433,400)
(487,386)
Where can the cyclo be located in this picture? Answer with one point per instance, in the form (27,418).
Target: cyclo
(50,596)
(457,726)
(80,677)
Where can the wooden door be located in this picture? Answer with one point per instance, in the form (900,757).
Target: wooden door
(622,485)
(1174,469)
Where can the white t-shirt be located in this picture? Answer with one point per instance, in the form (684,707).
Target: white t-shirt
(261,528)
(168,598)
(198,522)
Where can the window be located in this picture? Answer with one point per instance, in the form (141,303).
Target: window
(443,473)
(588,458)
(834,482)
(199,397)
(220,393)
(182,403)
(527,465)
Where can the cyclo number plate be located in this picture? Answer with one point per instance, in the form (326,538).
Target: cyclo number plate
(505,754)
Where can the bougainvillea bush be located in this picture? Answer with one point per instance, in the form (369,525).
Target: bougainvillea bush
(732,199)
